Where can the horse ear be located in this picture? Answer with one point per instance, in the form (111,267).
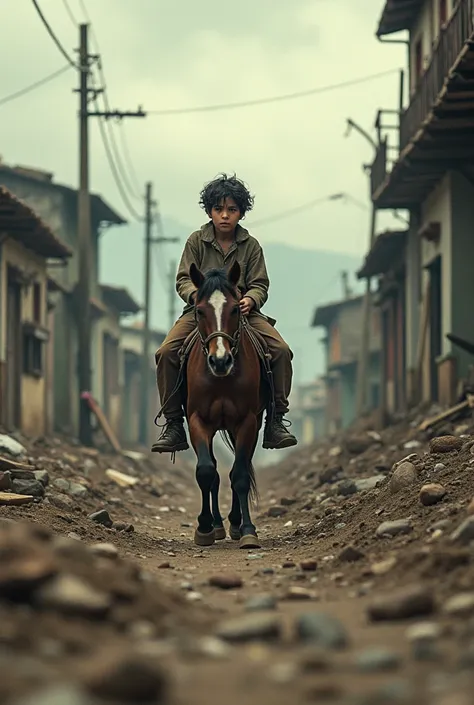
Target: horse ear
(196,276)
(234,273)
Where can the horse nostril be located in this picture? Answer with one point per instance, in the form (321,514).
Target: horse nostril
(212,360)
(229,359)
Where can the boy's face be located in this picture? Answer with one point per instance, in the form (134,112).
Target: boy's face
(225,217)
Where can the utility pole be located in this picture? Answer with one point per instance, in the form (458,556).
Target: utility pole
(84,365)
(149,241)
(346,289)
(364,353)
(172,293)
(145,386)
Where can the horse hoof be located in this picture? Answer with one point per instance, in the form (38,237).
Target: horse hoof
(234,533)
(249,541)
(201,539)
(219,533)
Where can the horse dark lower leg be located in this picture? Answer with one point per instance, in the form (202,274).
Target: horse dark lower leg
(235,515)
(242,478)
(216,514)
(205,475)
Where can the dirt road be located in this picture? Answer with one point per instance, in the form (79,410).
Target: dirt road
(315,615)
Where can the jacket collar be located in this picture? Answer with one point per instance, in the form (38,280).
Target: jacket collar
(207,233)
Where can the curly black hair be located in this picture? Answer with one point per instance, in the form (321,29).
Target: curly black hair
(223,187)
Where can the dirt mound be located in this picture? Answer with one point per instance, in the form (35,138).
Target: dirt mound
(77,610)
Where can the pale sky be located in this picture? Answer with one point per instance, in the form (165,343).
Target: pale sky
(182,53)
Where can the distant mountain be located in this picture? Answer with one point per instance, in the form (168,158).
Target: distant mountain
(301,279)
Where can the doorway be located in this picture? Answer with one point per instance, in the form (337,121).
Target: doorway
(14,351)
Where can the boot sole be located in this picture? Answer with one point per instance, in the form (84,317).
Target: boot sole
(286,443)
(169,449)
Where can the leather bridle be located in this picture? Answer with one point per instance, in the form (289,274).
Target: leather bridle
(234,340)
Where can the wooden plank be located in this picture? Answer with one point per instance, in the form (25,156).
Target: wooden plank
(420,353)
(102,419)
(444,416)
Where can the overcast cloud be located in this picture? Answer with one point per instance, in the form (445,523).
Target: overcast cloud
(179,53)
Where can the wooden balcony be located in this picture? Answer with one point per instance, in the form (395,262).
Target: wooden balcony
(437,127)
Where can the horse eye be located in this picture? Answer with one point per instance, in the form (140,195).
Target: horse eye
(200,312)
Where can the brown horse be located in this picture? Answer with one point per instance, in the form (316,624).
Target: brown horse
(223,394)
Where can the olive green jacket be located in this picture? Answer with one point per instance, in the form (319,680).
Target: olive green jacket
(203,249)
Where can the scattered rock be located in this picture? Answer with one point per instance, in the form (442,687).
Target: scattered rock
(394,528)
(411,601)
(431,494)
(384,567)
(322,630)
(346,488)
(287,501)
(358,444)
(28,487)
(25,563)
(42,476)
(61,484)
(11,446)
(73,596)
(331,474)
(59,695)
(308,566)
(226,582)
(350,554)
(464,534)
(423,638)
(439,467)
(277,511)
(10,499)
(377,659)
(77,490)
(470,507)
(296,592)
(62,502)
(446,444)
(368,483)
(126,677)
(460,605)
(105,550)
(260,603)
(255,627)
(5,481)
(102,517)
(123,526)
(403,477)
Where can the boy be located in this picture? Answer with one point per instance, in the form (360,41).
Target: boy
(218,244)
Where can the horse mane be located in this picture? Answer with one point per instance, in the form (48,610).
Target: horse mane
(215,280)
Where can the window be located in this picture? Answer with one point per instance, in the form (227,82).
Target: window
(37,302)
(33,350)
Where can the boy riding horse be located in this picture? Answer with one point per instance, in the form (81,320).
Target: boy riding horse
(218,244)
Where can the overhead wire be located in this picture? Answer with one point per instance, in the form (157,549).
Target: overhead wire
(297,209)
(32,86)
(271,99)
(70,13)
(55,38)
(132,184)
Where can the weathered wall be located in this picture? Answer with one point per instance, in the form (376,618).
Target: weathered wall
(32,388)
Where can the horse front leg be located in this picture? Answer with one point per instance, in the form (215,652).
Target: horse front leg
(218,523)
(242,479)
(206,474)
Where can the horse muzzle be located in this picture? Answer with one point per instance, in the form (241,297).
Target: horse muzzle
(221,365)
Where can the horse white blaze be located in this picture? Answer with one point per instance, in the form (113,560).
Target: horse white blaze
(217,301)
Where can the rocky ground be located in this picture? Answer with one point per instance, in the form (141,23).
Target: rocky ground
(362,592)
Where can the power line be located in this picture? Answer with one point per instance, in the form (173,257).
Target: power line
(70,13)
(33,86)
(272,99)
(55,38)
(133,188)
(298,209)
(113,168)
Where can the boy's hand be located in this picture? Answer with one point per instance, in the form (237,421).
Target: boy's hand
(246,305)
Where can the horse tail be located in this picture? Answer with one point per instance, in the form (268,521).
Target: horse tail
(230,444)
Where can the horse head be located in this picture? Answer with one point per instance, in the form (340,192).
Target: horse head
(218,316)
